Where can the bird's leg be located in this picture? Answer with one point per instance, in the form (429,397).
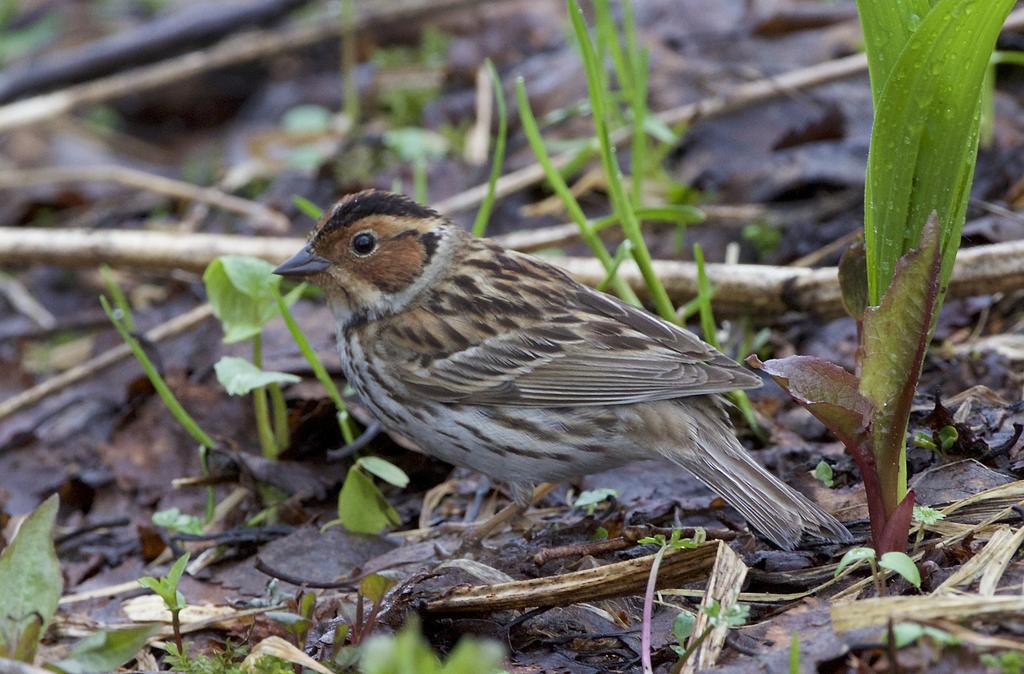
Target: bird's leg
(522,499)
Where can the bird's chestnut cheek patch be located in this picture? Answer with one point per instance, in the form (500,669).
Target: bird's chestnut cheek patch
(395,265)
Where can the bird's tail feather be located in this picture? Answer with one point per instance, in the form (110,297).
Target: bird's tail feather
(775,509)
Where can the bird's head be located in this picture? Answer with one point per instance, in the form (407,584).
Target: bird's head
(372,253)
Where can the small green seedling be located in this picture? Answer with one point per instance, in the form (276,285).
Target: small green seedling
(1007,662)
(300,619)
(927,515)
(682,627)
(823,473)
(941,442)
(243,292)
(674,542)
(897,562)
(590,499)
(167,589)
(349,637)
(924,516)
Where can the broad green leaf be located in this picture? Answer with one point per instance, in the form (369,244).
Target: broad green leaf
(853,556)
(591,498)
(375,586)
(887,25)
(238,376)
(895,339)
(682,626)
(901,563)
(362,508)
(925,135)
(405,652)
(249,275)
(241,292)
(385,470)
(31,583)
(106,650)
(408,652)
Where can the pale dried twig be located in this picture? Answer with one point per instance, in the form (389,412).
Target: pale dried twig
(724,587)
(604,582)
(130,177)
(741,289)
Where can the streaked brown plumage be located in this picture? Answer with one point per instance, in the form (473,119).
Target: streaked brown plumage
(498,361)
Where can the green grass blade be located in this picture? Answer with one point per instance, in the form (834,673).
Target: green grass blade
(558,184)
(925,136)
(307,207)
(176,409)
(887,25)
(631,227)
(318,369)
(707,326)
(117,294)
(165,393)
(483,215)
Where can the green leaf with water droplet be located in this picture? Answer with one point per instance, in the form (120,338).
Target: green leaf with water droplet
(895,339)
(927,87)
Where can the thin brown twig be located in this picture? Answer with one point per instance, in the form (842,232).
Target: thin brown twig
(130,177)
(79,373)
(242,48)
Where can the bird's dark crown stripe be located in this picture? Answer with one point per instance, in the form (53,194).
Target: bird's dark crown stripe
(373,202)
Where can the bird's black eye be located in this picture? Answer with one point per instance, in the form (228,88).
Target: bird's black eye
(363,243)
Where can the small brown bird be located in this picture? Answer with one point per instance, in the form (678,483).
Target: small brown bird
(497,361)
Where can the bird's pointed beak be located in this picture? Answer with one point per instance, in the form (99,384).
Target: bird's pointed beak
(303,264)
